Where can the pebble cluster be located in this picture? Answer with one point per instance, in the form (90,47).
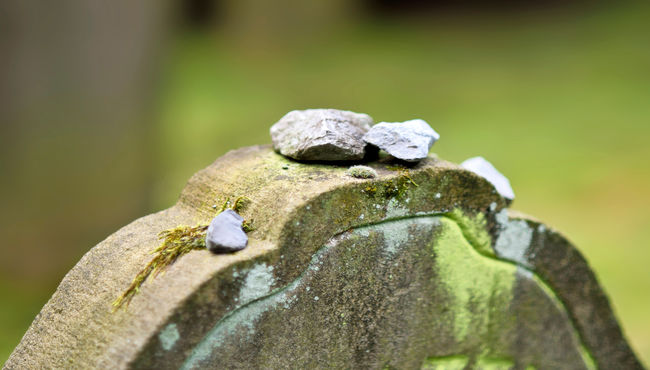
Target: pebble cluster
(329,135)
(337,135)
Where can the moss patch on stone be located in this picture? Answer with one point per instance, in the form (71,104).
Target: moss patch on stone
(176,243)
(480,292)
(456,362)
(474,229)
(396,188)
(461,362)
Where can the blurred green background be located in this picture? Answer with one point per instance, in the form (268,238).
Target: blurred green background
(106,111)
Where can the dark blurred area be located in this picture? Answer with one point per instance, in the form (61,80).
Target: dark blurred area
(106,109)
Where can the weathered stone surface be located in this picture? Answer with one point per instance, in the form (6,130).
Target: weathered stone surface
(409,141)
(225,233)
(485,169)
(321,135)
(339,273)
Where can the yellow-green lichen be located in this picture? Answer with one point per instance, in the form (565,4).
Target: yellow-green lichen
(396,188)
(370,190)
(480,292)
(447,363)
(474,230)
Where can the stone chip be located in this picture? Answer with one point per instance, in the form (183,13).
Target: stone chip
(225,233)
(485,169)
(409,141)
(321,135)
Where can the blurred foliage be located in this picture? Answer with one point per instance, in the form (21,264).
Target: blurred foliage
(557,101)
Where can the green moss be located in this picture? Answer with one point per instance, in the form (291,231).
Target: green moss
(247,226)
(370,190)
(494,363)
(447,363)
(176,243)
(238,205)
(461,362)
(396,188)
(480,292)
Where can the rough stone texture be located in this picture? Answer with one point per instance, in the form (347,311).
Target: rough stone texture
(225,233)
(321,135)
(339,272)
(409,141)
(485,169)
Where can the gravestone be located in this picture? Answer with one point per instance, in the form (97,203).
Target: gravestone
(419,267)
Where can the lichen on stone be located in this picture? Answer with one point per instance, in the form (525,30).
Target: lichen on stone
(474,230)
(168,336)
(514,239)
(481,291)
(397,187)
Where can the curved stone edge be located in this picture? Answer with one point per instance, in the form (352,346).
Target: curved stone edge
(563,268)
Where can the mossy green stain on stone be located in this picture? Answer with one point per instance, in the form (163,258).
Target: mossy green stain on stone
(474,230)
(460,362)
(478,287)
(456,362)
(495,363)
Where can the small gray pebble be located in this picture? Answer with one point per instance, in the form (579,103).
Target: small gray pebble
(409,141)
(225,233)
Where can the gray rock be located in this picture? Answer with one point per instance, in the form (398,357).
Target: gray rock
(321,135)
(409,141)
(485,169)
(225,233)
